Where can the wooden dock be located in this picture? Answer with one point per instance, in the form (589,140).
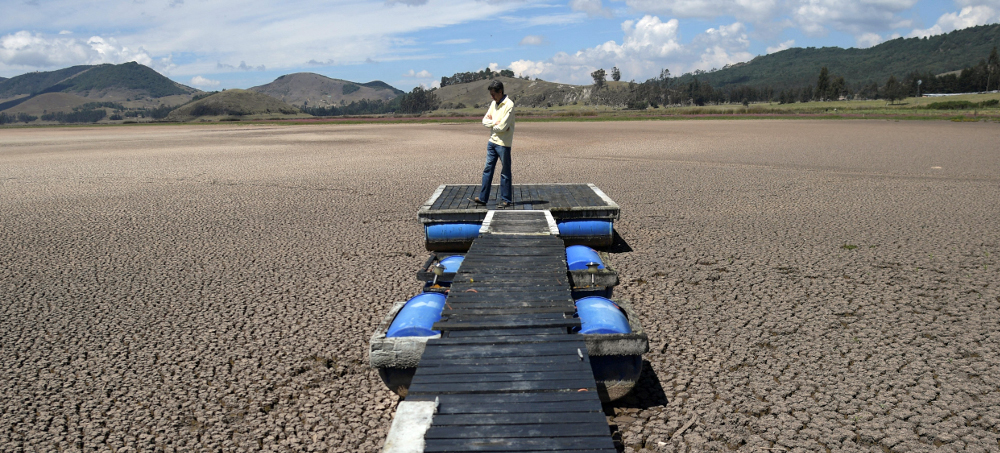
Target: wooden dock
(506,374)
(451,202)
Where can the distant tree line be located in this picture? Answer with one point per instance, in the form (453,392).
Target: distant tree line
(667,90)
(76,116)
(416,101)
(468,77)
(16,118)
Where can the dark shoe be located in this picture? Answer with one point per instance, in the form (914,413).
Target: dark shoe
(477,201)
(504,205)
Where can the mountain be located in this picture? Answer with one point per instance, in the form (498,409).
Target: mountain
(232,103)
(798,67)
(136,85)
(525,93)
(48,102)
(314,90)
(380,85)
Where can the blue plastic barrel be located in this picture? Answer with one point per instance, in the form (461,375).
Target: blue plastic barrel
(588,228)
(599,315)
(417,317)
(577,257)
(440,232)
(452,263)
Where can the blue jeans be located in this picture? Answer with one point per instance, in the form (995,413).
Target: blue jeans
(494,152)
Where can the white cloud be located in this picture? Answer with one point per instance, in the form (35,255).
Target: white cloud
(781,46)
(648,46)
(244,66)
(284,35)
(591,7)
(406,2)
(454,41)
(751,10)
(860,18)
(65,32)
(533,40)
(546,20)
(30,50)
(420,75)
(200,81)
(857,17)
(724,45)
(969,16)
(867,40)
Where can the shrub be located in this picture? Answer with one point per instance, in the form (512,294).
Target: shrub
(951,105)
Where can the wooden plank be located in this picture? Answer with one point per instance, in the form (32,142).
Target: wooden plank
(484,295)
(523,431)
(520,445)
(480,361)
(471,300)
(502,368)
(513,398)
(547,284)
(457,312)
(587,384)
(566,305)
(435,351)
(540,407)
(531,376)
(564,337)
(501,248)
(510,318)
(446,326)
(513,289)
(513,240)
(561,278)
(508,332)
(533,418)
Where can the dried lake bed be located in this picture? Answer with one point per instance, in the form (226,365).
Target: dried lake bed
(806,285)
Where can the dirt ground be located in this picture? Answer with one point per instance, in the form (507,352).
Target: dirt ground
(806,285)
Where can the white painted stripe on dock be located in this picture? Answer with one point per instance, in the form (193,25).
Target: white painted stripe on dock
(406,435)
(486,222)
(434,197)
(603,196)
(553,226)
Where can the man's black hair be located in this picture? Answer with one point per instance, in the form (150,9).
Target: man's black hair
(496,86)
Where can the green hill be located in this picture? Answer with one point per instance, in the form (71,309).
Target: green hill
(233,103)
(799,67)
(380,85)
(307,89)
(37,82)
(132,83)
(126,76)
(525,93)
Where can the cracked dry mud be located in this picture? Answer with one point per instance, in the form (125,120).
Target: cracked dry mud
(806,285)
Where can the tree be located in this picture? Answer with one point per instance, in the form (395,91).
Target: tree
(823,84)
(616,75)
(599,78)
(992,66)
(419,100)
(838,87)
(892,90)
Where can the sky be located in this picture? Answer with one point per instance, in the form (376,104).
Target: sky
(217,44)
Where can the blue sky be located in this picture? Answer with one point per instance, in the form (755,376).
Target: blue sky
(215,44)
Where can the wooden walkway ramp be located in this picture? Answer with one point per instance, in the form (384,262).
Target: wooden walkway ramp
(506,374)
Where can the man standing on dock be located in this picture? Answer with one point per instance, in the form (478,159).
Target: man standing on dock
(500,119)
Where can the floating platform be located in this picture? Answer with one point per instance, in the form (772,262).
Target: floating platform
(582,213)
(509,360)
